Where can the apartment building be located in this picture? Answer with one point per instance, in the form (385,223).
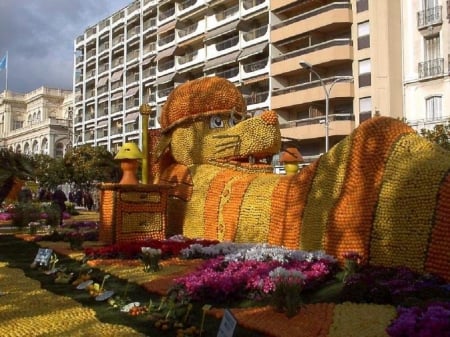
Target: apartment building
(426,62)
(350,50)
(38,122)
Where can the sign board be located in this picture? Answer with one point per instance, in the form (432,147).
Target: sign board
(228,324)
(43,256)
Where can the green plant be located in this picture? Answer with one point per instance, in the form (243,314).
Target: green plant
(24,213)
(52,214)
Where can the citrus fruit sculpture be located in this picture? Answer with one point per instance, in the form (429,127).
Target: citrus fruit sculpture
(383,191)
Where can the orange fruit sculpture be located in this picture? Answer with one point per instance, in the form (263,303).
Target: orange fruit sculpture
(383,191)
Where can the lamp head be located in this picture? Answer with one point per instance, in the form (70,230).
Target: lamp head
(305,65)
(129,151)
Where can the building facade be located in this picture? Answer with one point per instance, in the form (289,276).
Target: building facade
(426,62)
(354,51)
(38,122)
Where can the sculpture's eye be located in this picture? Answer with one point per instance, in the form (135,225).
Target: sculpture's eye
(233,121)
(216,122)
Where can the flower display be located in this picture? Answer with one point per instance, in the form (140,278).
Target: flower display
(245,271)
(150,258)
(430,320)
(288,285)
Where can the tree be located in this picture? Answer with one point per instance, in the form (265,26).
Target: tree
(440,134)
(86,165)
(49,172)
(14,168)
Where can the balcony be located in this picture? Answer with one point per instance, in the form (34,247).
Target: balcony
(429,17)
(255,33)
(309,92)
(149,24)
(251,6)
(329,16)
(256,98)
(324,52)
(431,68)
(166,39)
(166,14)
(254,68)
(229,74)
(341,124)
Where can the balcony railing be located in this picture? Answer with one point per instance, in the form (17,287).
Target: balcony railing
(229,73)
(255,66)
(228,43)
(166,14)
(431,68)
(429,16)
(256,98)
(255,33)
(248,4)
(313,48)
(318,120)
(186,4)
(188,30)
(314,12)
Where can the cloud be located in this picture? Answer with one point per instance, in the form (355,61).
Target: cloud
(39,38)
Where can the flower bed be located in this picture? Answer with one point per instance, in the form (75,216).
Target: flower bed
(359,300)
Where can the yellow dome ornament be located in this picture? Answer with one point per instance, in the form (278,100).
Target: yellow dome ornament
(290,158)
(129,156)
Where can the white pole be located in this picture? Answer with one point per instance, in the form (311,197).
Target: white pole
(6,68)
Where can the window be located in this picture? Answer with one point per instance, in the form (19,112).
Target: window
(433,108)
(59,150)
(432,47)
(363,35)
(365,69)
(426,4)
(362,5)
(365,108)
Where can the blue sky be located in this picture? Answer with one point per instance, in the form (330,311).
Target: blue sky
(39,35)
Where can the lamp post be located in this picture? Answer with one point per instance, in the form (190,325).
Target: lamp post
(327,91)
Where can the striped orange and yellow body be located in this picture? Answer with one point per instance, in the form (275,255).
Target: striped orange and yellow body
(383,191)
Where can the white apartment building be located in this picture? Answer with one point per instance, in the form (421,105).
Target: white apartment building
(140,53)
(38,122)
(426,62)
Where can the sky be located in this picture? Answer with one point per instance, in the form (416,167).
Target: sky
(39,35)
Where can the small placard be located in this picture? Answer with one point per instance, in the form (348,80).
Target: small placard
(43,256)
(228,324)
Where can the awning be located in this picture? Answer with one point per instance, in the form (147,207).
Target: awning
(165,53)
(165,78)
(131,117)
(148,60)
(131,92)
(102,100)
(116,76)
(256,79)
(253,50)
(102,123)
(221,60)
(117,95)
(167,27)
(222,30)
(102,81)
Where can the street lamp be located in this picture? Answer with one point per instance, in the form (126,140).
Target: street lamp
(327,91)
